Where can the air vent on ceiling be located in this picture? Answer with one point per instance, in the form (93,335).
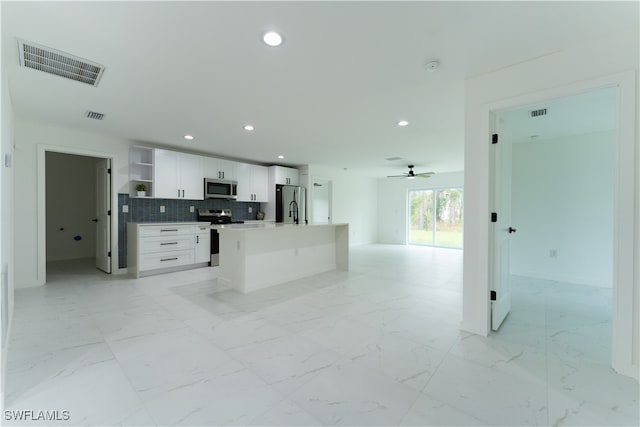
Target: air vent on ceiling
(94,115)
(59,63)
(538,113)
(393,159)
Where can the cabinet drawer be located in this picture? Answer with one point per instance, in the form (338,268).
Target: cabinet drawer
(166,230)
(166,259)
(165,243)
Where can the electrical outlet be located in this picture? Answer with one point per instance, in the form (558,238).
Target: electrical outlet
(125,208)
(161,209)
(553,253)
(192,209)
(250,209)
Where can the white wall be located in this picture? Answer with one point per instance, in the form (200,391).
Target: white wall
(393,206)
(28,135)
(562,199)
(6,225)
(558,74)
(71,205)
(354,200)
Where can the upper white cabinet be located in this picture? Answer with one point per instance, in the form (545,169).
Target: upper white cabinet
(219,169)
(285,176)
(252,182)
(177,175)
(140,170)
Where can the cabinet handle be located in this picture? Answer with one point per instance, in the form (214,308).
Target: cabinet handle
(218,174)
(169,229)
(183,194)
(178,192)
(222,174)
(169,259)
(197,239)
(171,243)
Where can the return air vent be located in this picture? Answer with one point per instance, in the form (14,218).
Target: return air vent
(538,113)
(94,115)
(59,63)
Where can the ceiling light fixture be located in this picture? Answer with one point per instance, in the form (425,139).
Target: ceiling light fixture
(281,156)
(403,123)
(189,137)
(271,38)
(248,128)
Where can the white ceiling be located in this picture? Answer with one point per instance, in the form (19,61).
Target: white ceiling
(331,94)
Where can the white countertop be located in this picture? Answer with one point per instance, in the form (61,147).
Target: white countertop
(172,223)
(268,225)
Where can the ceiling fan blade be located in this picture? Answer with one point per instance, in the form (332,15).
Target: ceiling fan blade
(425,174)
(397,176)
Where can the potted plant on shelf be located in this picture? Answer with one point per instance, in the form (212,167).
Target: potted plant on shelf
(142,190)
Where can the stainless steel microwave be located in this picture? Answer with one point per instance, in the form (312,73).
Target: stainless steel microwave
(220,189)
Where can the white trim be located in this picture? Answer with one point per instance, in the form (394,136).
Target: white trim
(624,198)
(41,231)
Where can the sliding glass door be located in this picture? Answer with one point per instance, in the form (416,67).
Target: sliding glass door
(435,217)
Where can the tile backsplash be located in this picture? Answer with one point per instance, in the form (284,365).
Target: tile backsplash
(148,210)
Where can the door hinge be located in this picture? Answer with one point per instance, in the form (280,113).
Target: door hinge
(493,295)
(109,254)
(109,170)
(494,217)
(109,212)
(494,138)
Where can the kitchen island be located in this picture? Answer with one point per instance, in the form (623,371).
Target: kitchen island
(256,256)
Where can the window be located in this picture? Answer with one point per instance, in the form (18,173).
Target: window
(435,217)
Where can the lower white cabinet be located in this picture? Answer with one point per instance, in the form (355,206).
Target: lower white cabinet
(158,248)
(203,243)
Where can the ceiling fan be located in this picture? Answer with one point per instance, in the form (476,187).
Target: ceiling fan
(411,174)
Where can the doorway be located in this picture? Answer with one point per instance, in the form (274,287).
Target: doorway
(553,231)
(77,213)
(321,201)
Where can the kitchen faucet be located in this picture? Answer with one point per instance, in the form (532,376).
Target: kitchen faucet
(295,212)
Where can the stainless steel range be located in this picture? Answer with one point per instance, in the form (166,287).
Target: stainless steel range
(216,216)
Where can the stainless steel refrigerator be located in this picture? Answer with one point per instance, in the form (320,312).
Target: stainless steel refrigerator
(291,203)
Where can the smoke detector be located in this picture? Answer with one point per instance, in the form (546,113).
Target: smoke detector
(432,66)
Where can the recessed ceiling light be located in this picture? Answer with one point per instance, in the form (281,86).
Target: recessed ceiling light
(281,156)
(249,128)
(271,38)
(403,123)
(189,137)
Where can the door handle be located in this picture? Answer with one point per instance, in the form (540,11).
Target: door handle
(95,220)
(511,230)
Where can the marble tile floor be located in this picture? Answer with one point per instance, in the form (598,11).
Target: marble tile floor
(378,345)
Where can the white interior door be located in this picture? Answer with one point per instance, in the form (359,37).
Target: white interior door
(321,209)
(103,223)
(502,228)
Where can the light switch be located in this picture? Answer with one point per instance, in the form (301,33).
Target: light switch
(125,208)
(161,209)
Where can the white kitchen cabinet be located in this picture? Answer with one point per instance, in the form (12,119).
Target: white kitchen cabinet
(219,169)
(252,183)
(177,175)
(203,243)
(140,170)
(159,248)
(283,175)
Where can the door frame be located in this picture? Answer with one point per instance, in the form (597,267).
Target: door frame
(624,232)
(42,149)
